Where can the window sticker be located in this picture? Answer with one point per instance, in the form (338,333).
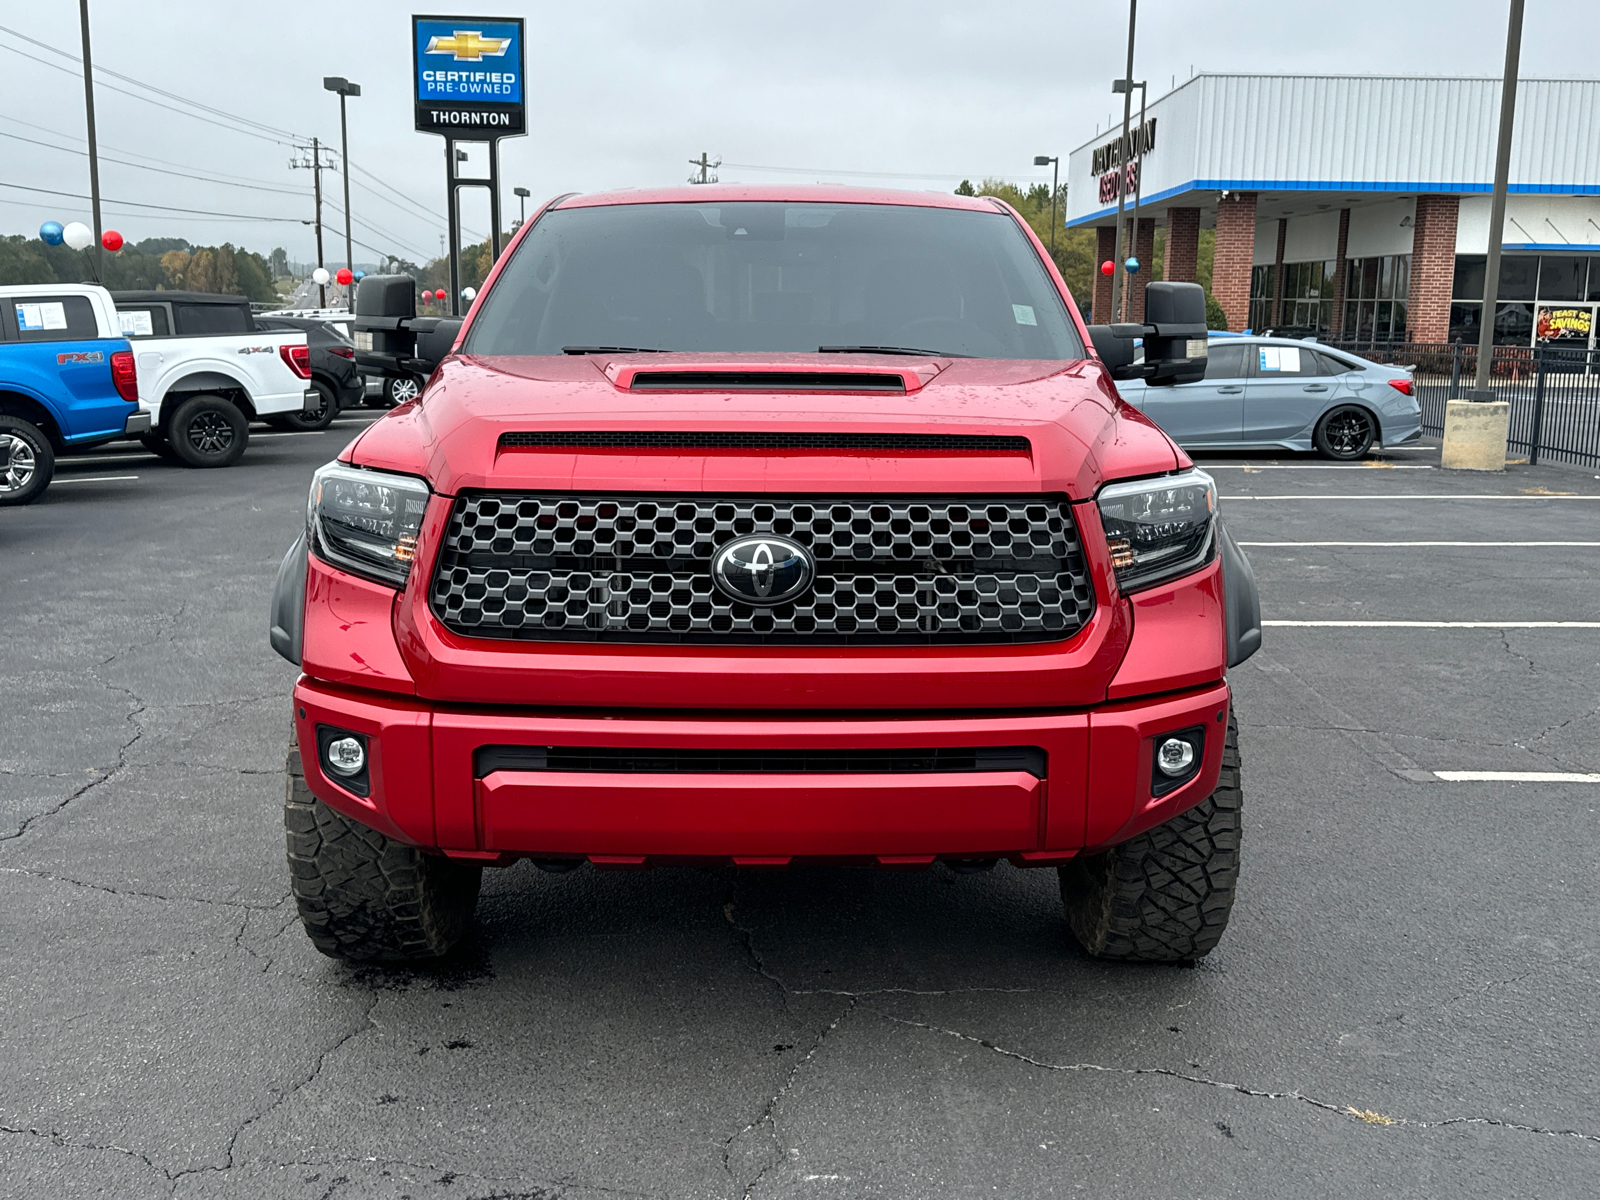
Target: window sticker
(136,323)
(1024,314)
(1279,358)
(51,314)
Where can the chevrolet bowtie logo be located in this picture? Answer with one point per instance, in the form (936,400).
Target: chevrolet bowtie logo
(468,45)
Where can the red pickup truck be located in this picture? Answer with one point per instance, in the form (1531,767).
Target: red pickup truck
(764,526)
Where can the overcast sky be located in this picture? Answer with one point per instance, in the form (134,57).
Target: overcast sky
(623,93)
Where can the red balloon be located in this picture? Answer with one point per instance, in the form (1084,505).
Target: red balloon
(1108,267)
(427,297)
(344,276)
(111,240)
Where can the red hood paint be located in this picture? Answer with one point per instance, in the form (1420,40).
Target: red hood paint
(1081,433)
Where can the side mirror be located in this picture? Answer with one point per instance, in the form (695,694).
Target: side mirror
(1115,346)
(387,296)
(390,338)
(435,336)
(1175,340)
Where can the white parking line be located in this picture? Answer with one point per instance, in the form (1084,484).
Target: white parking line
(1420,496)
(1419,543)
(1205,466)
(132,456)
(1435,624)
(93,478)
(1516,777)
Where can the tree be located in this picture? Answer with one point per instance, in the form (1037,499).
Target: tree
(253,275)
(964,188)
(22,260)
(175,263)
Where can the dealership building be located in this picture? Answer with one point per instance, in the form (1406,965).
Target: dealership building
(1358,207)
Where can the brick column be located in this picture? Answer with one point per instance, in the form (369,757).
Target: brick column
(1236,249)
(1183,245)
(1105,245)
(1277,272)
(1341,273)
(1144,249)
(1433,268)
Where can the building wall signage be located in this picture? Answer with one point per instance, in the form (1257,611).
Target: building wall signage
(1108,183)
(1118,150)
(467,75)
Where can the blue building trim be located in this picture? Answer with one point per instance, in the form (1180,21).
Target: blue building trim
(1342,185)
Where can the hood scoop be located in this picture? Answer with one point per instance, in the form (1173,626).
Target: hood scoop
(779,441)
(647,380)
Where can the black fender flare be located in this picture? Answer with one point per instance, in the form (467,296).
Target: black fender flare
(1240,602)
(287,619)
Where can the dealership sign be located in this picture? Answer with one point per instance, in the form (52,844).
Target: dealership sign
(467,74)
(1108,183)
(1119,150)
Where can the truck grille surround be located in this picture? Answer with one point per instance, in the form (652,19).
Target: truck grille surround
(924,570)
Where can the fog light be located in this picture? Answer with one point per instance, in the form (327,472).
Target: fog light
(347,757)
(1174,756)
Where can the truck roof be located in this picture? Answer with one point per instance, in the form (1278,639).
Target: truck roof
(181,297)
(814,193)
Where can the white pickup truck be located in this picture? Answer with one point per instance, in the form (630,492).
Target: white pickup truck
(206,372)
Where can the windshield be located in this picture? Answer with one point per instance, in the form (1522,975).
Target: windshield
(781,277)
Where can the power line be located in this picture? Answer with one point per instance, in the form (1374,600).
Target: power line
(160,207)
(255,187)
(870,174)
(147,86)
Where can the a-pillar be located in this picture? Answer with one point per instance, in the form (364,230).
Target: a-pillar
(1433,266)
(1182,257)
(1341,274)
(1236,250)
(1105,249)
(1144,249)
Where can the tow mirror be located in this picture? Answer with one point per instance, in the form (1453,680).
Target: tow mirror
(1174,338)
(390,338)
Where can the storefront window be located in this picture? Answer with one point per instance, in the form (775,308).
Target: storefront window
(1530,285)
(1519,277)
(1376,294)
(1469,277)
(1562,276)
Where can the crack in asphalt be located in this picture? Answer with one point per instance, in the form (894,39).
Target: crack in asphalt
(1350,1112)
(131,893)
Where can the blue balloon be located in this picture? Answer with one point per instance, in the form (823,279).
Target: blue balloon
(361,274)
(51,234)
(1133,265)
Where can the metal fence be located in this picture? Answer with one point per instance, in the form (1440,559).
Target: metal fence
(1554,391)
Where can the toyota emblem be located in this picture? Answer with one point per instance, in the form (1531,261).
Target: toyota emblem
(763,570)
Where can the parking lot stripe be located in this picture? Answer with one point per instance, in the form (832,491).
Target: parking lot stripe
(1435,624)
(94,478)
(1419,543)
(1420,496)
(1516,777)
(1205,466)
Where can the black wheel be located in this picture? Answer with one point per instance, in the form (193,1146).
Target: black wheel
(1345,433)
(1164,896)
(207,431)
(26,462)
(158,445)
(318,413)
(398,391)
(365,897)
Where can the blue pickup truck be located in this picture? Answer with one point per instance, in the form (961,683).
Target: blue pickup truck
(67,378)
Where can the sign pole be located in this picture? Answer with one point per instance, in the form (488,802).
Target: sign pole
(454,203)
(494,201)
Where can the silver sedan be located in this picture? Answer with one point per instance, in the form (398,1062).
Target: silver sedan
(1263,391)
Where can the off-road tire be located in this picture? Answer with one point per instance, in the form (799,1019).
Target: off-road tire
(312,420)
(365,897)
(27,462)
(159,446)
(1340,436)
(1165,895)
(207,431)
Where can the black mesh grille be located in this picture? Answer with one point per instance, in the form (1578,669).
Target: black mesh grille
(673,440)
(766,381)
(898,571)
(627,760)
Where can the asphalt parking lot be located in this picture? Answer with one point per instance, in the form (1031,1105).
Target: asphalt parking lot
(1405,1004)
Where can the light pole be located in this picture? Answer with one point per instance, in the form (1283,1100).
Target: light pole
(522,195)
(1127,85)
(1044,160)
(94,155)
(345,88)
(1122,158)
(1475,429)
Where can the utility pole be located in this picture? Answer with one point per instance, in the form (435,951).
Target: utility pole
(1122,163)
(1475,429)
(336,83)
(1044,160)
(315,166)
(1138,177)
(94,155)
(706,166)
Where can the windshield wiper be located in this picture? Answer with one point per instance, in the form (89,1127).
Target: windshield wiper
(889,350)
(612,350)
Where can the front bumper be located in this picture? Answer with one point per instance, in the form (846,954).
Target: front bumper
(429,785)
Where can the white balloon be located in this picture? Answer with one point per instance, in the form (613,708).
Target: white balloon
(320,276)
(78,235)
(469,293)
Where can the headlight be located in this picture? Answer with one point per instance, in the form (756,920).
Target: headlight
(1158,529)
(366,522)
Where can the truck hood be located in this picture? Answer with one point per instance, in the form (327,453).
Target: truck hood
(1078,432)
